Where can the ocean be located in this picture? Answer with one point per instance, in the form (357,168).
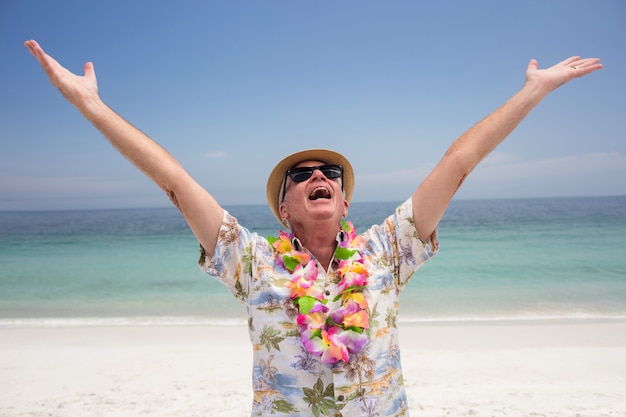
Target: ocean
(500,260)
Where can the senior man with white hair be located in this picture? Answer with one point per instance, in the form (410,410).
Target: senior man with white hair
(322,300)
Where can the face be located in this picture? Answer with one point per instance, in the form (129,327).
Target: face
(317,198)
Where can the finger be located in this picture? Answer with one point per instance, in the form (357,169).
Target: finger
(569,61)
(587,62)
(587,69)
(36,51)
(32,47)
(586,65)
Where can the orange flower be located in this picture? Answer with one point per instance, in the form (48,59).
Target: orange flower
(356,297)
(358,319)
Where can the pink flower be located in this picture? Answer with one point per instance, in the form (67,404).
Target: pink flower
(356,297)
(357,319)
(315,320)
(303,282)
(313,344)
(353,274)
(283,243)
(331,335)
(354,341)
(351,314)
(335,350)
(288,257)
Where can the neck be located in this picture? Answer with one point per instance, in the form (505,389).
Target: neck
(320,241)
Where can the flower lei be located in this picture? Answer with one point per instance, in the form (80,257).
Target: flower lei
(333,335)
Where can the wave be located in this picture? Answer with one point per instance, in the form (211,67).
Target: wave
(63,322)
(536,318)
(72,322)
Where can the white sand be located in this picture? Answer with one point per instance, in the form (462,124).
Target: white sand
(524,369)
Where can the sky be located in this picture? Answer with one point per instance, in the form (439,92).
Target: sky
(231,87)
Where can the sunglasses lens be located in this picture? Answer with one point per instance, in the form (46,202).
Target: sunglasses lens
(304,173)
(300,174)
(331,171)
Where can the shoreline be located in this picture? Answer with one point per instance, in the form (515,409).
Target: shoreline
(466,369)
(204,321)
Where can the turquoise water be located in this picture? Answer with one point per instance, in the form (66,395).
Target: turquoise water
(534,259)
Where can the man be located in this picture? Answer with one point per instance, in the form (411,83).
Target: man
(322,300)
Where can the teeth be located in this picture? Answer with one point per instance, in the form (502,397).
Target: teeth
(319,192)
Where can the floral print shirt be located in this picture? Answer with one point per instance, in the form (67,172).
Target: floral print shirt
(287,380)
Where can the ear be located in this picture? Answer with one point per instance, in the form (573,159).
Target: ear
(284,214)
(346,206)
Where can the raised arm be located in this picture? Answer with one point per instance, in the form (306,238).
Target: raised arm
(434,194)
(202,212)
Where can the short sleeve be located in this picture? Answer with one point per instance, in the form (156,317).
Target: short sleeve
(231,261)
(412,251)
(397,244)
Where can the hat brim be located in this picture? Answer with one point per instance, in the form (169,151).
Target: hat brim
(277,176)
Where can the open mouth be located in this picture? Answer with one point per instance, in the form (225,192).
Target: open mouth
(319,192)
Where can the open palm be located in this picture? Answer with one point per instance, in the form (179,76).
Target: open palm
(74,88)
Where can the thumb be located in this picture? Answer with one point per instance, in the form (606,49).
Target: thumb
(89,70)
(90,73)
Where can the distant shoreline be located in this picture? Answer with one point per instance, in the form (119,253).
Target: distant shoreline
(183,321)
(261,204)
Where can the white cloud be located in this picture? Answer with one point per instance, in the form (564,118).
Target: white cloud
(80,192)
(62,185)
(497,158)
(602,173)
(506,175)
(215,154)
(571,166)
(500,176)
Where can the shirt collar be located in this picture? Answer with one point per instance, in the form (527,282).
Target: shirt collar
(297,245)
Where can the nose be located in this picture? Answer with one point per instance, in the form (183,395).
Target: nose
(317,174)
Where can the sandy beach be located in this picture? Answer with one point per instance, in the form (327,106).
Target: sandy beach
(493,369)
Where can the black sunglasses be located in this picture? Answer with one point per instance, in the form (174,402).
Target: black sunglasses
(300,174)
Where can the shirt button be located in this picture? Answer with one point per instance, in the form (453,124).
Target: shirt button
(340,398)
(327,293)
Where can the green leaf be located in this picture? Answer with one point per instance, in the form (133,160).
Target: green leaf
(330,390)
(270,338)
(283,406)
(344,253)
(320,400)
(290,262)
(357,329)
(306,303)
(319,385)
(309,393)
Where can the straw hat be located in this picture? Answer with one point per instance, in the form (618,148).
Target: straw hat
(277,176)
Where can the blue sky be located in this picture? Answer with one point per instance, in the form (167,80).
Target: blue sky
(229,87)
